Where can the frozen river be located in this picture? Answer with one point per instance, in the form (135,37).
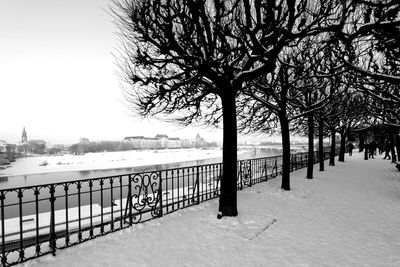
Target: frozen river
(30,170)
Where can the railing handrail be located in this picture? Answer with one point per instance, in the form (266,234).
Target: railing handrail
(137,173)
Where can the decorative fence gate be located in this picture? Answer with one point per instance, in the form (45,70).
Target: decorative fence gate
(38,220)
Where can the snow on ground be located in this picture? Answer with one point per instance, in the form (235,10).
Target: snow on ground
(348,215)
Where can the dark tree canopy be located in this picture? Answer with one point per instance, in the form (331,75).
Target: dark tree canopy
(178,52)
(192,59)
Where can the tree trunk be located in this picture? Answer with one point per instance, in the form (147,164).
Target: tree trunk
(321,145)
(397,142)
(310,163)
(333,148)
(286,152)
(393,145)
(228,197)
(361,144)
(342,147)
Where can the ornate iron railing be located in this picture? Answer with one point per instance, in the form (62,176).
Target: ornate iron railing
(38,220)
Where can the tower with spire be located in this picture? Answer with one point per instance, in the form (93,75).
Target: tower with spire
(24,138)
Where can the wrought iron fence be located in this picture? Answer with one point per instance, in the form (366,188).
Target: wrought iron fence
(38,220)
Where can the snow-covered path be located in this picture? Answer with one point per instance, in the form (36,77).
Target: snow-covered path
(348,215)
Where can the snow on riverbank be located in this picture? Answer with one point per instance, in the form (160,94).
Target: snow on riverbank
(106,160)
(348,215)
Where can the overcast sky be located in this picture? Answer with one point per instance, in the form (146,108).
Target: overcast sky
(57,75)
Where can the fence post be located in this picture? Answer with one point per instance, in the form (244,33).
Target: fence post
(265,169)
(240,175)
(3,239)
(250,173)
(21,230)
(301,159)
(130,199)
(101,204)
(276,167)
(197,184)
(160,194)
(52,221)
(291,162)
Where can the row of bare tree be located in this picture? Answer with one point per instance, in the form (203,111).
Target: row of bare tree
(258,65)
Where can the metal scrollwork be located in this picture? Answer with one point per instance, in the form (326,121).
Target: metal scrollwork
(145,196)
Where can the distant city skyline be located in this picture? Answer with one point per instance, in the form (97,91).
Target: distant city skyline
(174,133)
(59,78)
(181,134)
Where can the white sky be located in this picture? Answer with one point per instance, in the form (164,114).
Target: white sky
(57,75)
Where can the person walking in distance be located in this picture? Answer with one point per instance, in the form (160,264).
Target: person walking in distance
(372,149)
(351,147)
(387,151)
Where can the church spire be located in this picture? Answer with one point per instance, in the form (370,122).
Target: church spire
(24,138)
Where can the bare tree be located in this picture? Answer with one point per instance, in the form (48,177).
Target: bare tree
(352,115)
(374,40)
(310,91)
(187,55)
(375,30)
(189,59)
(382,104)
(271,93)
(290,94)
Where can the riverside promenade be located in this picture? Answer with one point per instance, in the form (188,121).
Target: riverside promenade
(348,215)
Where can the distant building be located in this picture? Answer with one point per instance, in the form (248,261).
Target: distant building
(161,136)
(150,143)
(200,142)
(24,138)
(187,143)
(162,141)
(141,142)
(38,142)
(135,141)
(37,146)
(11,148)
(23,146)
(174,142)
(6,147)
(3,146)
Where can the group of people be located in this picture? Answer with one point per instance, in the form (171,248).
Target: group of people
(372,147)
